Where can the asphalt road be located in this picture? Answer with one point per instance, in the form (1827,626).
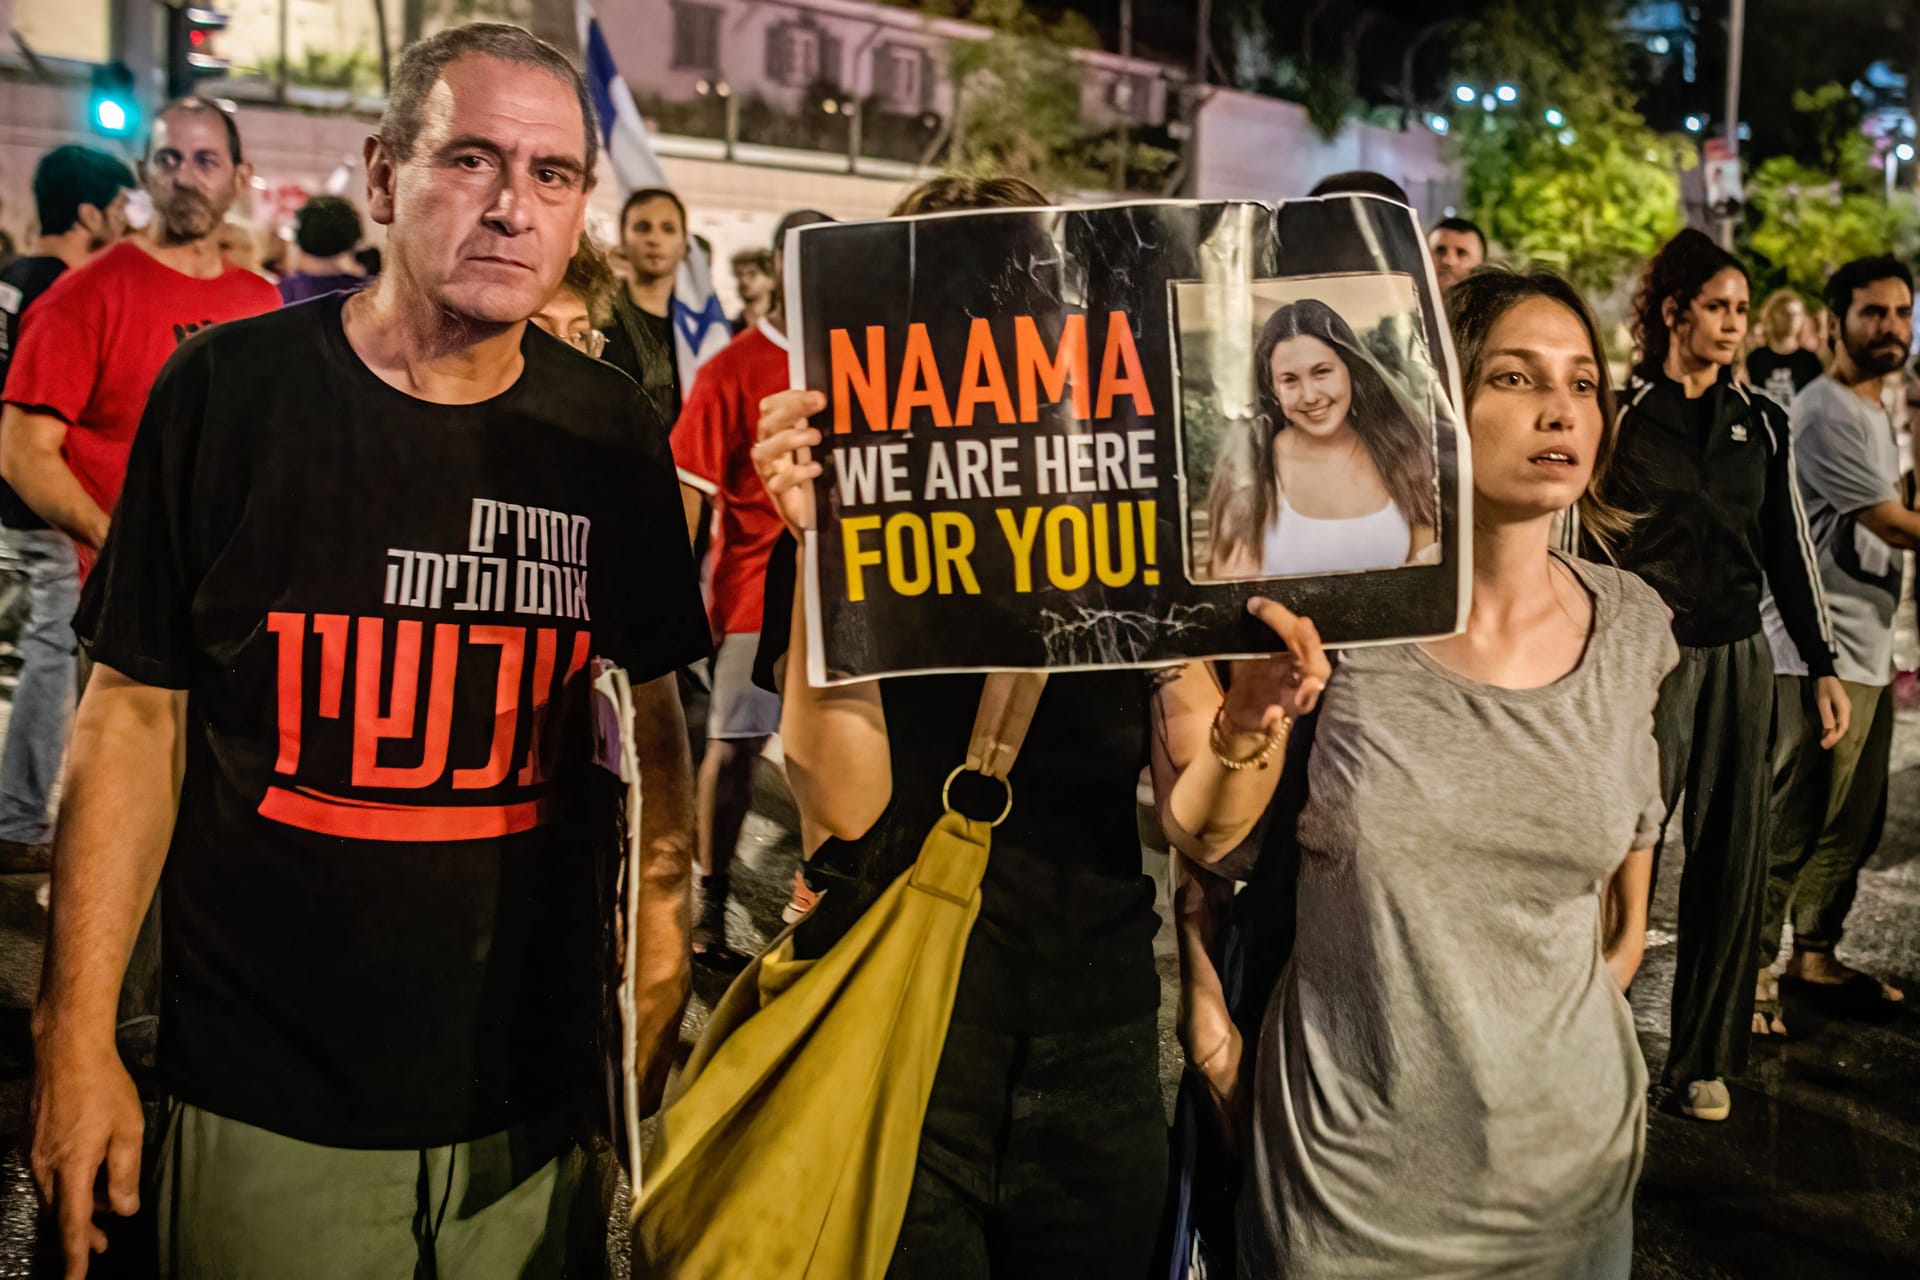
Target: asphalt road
(1817,1175)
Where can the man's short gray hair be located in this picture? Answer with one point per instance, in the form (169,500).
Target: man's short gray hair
(423,61)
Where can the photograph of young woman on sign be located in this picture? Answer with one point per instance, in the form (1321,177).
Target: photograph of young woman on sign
(1333,470)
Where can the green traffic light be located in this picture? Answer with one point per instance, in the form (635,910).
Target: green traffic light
(113,106)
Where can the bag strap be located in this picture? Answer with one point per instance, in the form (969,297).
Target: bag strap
(1007,702)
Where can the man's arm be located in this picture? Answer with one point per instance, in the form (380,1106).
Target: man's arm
(112,840)
(663,974)
(1893,524)
(30,461)
(1793,573)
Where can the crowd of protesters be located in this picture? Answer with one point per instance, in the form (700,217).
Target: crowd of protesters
(383,986)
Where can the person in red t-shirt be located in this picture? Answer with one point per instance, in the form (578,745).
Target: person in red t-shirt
(93,344)
(712,448)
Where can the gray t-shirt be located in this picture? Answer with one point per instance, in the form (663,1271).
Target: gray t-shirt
(1448,1082)
(1848,460)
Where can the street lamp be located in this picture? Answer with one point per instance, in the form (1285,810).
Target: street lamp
(1900,155)
(1555,117)
(1507,93)
(1465,93)
(1439,124)
(1694,124)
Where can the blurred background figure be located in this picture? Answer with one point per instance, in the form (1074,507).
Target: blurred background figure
(753,277)
(583,302)
(1459,249)
(80,197)
(1780,367)
(326,232)
(653,233)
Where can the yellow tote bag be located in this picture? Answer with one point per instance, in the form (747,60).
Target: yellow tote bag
(788,1150)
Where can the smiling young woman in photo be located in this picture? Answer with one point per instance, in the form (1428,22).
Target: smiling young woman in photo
(1335,473)
(1447,1080)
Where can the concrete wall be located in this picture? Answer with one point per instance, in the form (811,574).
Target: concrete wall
(1261,148)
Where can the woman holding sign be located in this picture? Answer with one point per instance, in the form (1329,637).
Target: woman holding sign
(1336,472)
(1043,1150)
(1447,1080)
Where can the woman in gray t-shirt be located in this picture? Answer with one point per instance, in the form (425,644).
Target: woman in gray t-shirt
(1447,1081)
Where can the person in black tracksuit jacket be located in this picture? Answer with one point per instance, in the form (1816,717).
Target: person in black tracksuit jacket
(1706,464)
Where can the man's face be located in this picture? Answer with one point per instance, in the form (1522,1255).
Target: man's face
(1456,254)
(191,175)
(754,284)
(1878,330)
(485,213)
(655,239)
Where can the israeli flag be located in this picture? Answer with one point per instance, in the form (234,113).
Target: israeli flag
(700,327)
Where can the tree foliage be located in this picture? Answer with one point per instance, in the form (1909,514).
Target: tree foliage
(1806,220)
(1594,192)
(1018,95)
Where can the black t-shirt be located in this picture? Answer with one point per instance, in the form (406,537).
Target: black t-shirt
(1064,939)
(385,899)
(1781,378)
(631,353)
(23,280)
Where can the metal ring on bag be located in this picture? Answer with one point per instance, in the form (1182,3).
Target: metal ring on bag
(947,787)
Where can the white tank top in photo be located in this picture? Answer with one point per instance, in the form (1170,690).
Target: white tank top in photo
(1298,544)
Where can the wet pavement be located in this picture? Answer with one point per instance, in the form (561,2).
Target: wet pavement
(1815,1177)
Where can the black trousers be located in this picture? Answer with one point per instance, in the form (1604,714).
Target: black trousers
(1713,722)
(1042,1156)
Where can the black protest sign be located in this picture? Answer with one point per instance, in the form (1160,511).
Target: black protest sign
(1076,438)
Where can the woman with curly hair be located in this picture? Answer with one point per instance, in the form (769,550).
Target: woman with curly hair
(1335,473)
(1708,465)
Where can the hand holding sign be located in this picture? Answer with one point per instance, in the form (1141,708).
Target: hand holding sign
(784,455)
(1264,690)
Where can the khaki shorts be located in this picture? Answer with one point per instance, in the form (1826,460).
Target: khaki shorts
(740,708)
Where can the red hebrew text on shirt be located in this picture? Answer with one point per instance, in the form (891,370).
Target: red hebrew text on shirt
(372,703)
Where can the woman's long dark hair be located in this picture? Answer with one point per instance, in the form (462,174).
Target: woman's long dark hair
(1474,307)
(1676,274)
(1245,493)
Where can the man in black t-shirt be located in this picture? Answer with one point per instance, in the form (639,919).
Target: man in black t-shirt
(382,574)
(80,196)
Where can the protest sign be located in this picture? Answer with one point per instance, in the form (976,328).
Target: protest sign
(1082,437)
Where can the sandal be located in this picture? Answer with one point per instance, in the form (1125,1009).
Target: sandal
(1837,976)
(1766,1007)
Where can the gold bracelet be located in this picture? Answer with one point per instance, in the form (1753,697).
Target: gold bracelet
(1201,1064)
(1216,739)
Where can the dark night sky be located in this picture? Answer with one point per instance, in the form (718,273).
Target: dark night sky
(1790,44)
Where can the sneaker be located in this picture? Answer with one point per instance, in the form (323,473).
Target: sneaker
(17,858)
(1707,1100)
(803,901)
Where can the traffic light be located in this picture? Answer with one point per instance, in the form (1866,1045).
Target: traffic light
(191,57)
(113,107)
